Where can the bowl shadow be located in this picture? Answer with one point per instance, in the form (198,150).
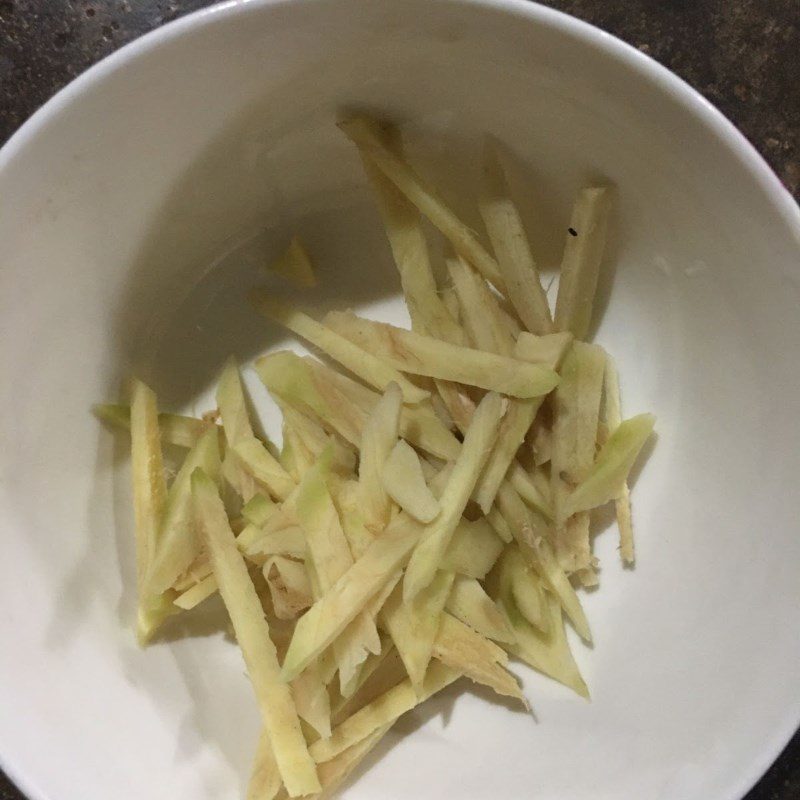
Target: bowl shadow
(441,705)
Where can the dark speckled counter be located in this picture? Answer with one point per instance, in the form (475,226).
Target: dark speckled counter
(743,55)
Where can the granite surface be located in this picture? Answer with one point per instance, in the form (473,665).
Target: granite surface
(743,55)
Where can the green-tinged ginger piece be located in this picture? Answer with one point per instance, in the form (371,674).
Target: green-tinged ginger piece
(558,583)
(175,429)
(404,482)
(428,311)
(313,701)
(258,510)
(548,653)
(289,586)
(538,553)
(499,525)
(371,370)
(178,545)
(331,558)
(515,425)
(423,355)
(351,514)
(525,587)
(294,264)
(437,535)
(479,310)
(294,457)
(580,264)
(314,439)
(607,477)
(149,502)
(378,437)
(253,456)
(547,350)
(329,615)
(257,544)
(473,549)
(413,625)
(278,709)
(468,652)
(343,405)
(510,244)
(196,593)
(576,413)
(533,488)
(380,673)
(469,602)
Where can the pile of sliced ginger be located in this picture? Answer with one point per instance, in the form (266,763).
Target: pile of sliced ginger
(430,508)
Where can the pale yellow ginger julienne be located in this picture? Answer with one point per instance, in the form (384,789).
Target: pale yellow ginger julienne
(429,511)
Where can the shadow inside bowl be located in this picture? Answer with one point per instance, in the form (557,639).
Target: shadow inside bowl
(440,705)
(272,172)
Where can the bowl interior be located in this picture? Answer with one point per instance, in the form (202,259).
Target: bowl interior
(138,209)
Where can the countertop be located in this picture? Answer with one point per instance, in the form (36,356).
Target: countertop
(743,55)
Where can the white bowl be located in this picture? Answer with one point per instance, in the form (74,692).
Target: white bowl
(123,192)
